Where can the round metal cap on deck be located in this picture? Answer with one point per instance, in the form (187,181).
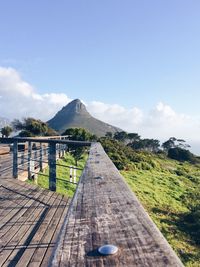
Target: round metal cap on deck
(108,250)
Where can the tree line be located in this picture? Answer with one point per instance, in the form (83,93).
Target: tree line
(173,147)
(28,127)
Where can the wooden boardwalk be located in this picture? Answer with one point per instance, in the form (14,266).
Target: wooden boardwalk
(105,211)
(30,221)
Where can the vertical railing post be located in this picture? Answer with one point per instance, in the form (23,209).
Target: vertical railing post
(35,155)
(56,151)
(29,159)
(52,166)
(41,157)
(59,151)
(63,151)
(70,174)
(15,159)
(22,159)
(75,175)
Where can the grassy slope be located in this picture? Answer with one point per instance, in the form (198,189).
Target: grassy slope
(165,191)
(63,187)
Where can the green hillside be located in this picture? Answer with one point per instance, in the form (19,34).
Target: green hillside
(171,195)
(170,192)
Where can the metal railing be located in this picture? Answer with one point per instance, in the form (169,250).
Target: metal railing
(30,155)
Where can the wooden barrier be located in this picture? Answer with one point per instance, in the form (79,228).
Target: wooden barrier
(105,211)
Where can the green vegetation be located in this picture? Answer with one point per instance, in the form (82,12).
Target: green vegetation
(124,157)
(63,186)
(6,131)
(170,192)
(181,154)
(128,155)
(168,189)
(30,127)
(78,134)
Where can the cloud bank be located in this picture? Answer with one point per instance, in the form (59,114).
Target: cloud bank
(161,122)
(19,99)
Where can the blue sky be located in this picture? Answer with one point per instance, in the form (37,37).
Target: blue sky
(130,53)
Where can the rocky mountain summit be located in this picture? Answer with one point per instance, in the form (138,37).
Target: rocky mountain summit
(75,114)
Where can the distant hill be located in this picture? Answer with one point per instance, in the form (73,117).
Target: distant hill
(75,114)
(4,122)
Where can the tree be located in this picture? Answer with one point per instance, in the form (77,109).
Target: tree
(151,145)
(133,137)
(17,125)
(77,153)
(169,144)
(79,134)
(6,131)
(181,154)
(182,144)
(174,143)
(121,136)
(32,127)
(109,134)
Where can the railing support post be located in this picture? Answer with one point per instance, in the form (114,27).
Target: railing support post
(52,166)
(75,175)
(63,151)
(41,157)
(15,160)
(59,150)
(29,159)
(70,174)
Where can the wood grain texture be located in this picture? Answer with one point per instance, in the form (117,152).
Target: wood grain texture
(105,211)
(30,221)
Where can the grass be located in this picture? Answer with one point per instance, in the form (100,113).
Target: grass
(63,175)
(167,193)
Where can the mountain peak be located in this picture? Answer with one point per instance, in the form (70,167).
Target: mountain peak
(75,114)
(76,106)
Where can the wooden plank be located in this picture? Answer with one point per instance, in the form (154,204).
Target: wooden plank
(47,258)
(47,238)
(35,242)
(30,220)
(23,238)
(19,199)
(105,211)
(20,226)
(13,200)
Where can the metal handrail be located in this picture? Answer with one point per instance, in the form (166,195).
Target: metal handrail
(22,160)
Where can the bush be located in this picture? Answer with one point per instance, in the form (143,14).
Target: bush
(145,166)
(180,172)
(181,154)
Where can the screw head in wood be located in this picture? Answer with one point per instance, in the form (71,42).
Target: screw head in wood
(99,177)
(108,250)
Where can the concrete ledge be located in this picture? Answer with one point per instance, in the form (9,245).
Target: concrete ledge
(105,211)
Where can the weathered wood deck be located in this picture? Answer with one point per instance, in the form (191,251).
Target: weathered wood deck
(30,221)
(105,211)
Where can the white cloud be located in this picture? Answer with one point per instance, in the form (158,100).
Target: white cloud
(116,114)
(161,121)
(19,99)
(164,122)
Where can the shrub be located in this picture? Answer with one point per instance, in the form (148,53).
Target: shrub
(180,154)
